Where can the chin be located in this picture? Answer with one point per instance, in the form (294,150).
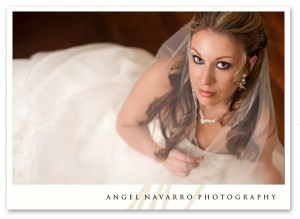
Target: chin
(206,102)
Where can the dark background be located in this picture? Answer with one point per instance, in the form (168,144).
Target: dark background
(47,31)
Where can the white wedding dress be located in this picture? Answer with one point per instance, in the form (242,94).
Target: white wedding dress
(65,105)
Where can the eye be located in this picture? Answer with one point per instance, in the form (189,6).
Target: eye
(223,65)
(197,59)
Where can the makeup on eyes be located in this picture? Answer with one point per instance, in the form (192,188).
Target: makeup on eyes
(222,65)
(197,59)
(225,65)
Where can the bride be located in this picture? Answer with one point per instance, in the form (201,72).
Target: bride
(212,102)
(201,113)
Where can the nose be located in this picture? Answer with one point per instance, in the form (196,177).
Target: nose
(206,76)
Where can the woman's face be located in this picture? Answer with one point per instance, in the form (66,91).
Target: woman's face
(213,61)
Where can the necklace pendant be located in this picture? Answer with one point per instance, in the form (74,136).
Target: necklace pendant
(203,121)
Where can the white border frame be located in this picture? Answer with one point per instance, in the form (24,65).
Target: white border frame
(94,196)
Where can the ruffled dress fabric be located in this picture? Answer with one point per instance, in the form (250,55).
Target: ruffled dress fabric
(65,105)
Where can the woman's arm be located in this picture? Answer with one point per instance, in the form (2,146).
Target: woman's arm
(268,174)
(153,84)
(265,137)
(265,168)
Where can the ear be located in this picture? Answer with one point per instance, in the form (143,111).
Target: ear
(252,62)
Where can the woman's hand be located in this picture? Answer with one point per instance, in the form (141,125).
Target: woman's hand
(180,164)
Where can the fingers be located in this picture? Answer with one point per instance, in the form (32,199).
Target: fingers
(183,157)
(182,174)
(181,164)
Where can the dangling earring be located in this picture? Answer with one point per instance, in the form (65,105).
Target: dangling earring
(242,83)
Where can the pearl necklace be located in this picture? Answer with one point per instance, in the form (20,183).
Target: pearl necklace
(203,120)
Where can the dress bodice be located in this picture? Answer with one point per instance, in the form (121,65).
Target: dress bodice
(212,168)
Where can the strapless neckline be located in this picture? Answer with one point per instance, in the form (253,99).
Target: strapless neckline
(188,147)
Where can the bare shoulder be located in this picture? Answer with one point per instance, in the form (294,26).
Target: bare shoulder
(152,84)
(156,77)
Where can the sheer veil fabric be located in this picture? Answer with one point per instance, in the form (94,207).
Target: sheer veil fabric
(218,167)
(65,114)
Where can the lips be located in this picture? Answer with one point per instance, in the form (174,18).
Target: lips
(206,93)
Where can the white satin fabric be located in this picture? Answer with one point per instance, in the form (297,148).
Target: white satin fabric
(65,105)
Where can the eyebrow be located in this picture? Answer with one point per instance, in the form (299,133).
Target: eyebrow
(222,57)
